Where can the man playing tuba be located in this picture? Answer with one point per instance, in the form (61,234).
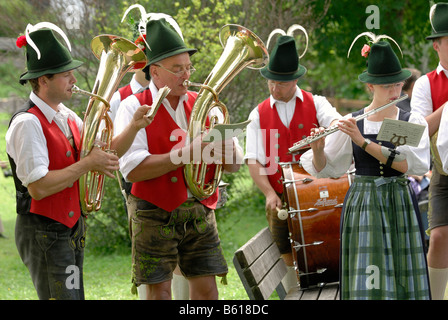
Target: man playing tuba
(43,145)
(168,225)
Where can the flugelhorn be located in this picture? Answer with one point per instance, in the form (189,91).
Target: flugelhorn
(242,48)
(302,144)
(117,56)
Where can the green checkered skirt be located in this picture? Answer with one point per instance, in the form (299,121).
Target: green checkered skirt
(382,251)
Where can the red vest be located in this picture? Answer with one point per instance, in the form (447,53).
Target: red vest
(125,92)
(63,206)
(439,95)
(168,191)
(439,85)
(278,138)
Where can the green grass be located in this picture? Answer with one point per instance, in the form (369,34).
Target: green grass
(107,277)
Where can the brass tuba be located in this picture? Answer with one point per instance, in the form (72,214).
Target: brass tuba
(117,56)
(242,48)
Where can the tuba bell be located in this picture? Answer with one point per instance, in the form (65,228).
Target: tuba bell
(242,48)
(117,56)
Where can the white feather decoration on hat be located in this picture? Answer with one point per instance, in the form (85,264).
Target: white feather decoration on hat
(145,17)
(30,29)
(431,15)
(289,32)
(374,38)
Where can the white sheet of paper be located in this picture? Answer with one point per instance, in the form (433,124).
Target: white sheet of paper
(401,132)
(157,102)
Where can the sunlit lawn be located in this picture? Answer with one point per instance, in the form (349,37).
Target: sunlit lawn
(107,277)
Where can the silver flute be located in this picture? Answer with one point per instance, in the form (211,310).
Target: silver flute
(302,144)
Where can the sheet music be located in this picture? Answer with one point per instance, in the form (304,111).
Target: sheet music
(401,132)
(161,94)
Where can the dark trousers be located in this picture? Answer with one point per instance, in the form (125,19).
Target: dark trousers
(53,254)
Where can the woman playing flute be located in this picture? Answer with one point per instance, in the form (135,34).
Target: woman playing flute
(382,248)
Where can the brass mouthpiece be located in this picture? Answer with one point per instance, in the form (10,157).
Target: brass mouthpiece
(188,83)
(75,89)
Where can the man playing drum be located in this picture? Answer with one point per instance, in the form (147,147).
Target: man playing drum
(276,124)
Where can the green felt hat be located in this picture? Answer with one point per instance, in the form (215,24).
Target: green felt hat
(284,64)
(163,41)
(46,55)
(383,66)
(438,16)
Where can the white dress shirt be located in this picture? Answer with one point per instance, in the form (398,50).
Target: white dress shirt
(139,149)
(442,140)
(421,101)
(325,114)
(116,97)
(339,151)
(26,143)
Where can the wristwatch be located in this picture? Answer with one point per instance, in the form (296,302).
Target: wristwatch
(366,143)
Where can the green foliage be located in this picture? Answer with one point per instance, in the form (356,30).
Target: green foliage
(322,77)
(346,19)
(11,24)
(332,25)
(11,88)
(242,194)
(108,228)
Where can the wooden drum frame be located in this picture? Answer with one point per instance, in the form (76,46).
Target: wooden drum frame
(314,211)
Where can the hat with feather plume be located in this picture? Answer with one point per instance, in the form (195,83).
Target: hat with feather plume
(383,65)
(284,60)
(438,17)
(161,34)
(44,53)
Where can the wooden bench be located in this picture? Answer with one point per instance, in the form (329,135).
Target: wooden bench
(261,269)
(326,291)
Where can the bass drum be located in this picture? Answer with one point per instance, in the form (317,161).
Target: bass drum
(314,213)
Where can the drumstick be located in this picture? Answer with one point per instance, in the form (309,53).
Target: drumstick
(282,214)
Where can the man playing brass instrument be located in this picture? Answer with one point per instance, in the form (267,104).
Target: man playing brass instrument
(279,121)
(168,225)
(429,99)
(42,143)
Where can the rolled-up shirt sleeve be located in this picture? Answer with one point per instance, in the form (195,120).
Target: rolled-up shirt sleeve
(442,139)
(418,158)
(325,112)
(254,140)
(27,146)
(421,101)
(338,153)
(139,148)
